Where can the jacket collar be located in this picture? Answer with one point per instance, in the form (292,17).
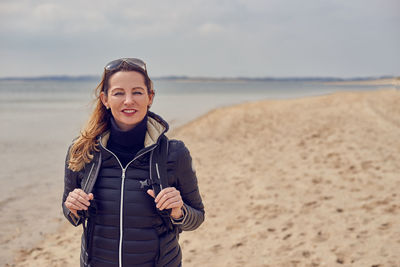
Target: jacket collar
(156,126)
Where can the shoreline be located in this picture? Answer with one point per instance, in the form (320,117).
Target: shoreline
(389,81)
(59,248)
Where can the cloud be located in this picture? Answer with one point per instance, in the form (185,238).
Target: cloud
(122,16)
(239,37)
(210,28)
(29,17)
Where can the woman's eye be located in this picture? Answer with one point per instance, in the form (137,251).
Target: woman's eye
(118,93)
(137,93)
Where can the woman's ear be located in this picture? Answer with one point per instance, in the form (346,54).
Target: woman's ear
(103,98)
(151,97)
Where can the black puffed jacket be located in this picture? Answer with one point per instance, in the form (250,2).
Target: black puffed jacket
(180,173)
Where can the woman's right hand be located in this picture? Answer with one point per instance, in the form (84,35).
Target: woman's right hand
(78,200)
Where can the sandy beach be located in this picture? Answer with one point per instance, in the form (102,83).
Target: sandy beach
(303,182)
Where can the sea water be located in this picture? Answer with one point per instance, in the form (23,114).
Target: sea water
(178,101)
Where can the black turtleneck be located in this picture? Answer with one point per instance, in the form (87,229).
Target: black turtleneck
(125,144)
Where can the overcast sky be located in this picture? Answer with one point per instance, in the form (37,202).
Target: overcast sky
(256,38)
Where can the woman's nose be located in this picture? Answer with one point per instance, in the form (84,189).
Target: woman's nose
(129,99)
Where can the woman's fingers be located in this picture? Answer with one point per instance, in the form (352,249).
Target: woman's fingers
(173,202)
(78,200)
(167,193)
(169,198)
(151,193)
(164,193)
(72,206)
(81,196)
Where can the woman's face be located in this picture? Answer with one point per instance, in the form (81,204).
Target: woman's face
(128,98)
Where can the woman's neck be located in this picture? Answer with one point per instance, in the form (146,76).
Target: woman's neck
(131,138)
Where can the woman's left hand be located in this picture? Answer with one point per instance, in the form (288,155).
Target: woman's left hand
(169,198)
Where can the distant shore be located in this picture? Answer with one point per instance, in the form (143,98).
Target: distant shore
(358,80)
(395,81)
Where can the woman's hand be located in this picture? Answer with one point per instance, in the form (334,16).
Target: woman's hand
(169,198)
(78,200)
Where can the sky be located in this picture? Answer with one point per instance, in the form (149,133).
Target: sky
(214,38)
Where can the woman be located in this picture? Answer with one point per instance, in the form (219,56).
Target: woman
(116,167)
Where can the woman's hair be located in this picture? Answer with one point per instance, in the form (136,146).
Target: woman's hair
(81,151)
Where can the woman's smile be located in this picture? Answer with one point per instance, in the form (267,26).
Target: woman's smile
(129,112)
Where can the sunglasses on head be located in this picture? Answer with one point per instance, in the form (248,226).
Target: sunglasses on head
(134,62)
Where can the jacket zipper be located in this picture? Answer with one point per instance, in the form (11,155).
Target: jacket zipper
(121,215)
(122,196)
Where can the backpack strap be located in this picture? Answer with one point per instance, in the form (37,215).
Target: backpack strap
(158,166)
(158,175)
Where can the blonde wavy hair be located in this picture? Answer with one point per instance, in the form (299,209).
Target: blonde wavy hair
(82,150)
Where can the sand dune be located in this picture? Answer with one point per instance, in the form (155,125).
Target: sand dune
(306,182)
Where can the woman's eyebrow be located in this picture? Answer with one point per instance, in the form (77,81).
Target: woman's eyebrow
(123,89)
(138,87)
(116,88)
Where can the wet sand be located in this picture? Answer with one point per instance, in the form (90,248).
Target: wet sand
(304,182)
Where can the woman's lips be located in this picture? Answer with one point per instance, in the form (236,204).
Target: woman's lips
(129,111)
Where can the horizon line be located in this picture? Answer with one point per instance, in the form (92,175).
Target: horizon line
(204,78)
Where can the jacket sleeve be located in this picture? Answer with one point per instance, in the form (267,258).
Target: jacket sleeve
(71,181)
(193,207)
